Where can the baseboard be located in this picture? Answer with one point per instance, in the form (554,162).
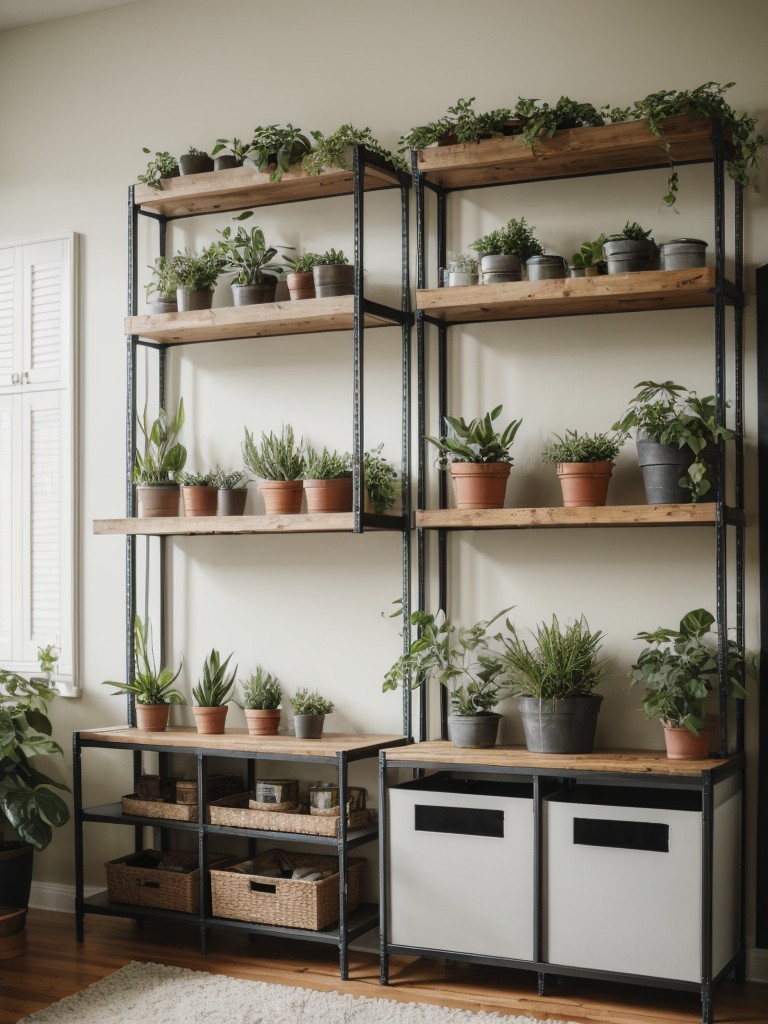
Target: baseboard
(46,896)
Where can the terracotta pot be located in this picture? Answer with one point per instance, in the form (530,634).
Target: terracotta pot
(301,286)
(192,300)
(584,484)
(334,279)
(230,501)
(152,717)
(282,497)
(199,499)
(210,721)
(158,500)
(263,722)
(329,495)
(684,745)
(480,484)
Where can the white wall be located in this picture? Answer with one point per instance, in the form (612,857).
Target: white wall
(89,92)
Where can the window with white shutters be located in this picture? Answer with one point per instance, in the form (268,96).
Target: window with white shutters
(37,453)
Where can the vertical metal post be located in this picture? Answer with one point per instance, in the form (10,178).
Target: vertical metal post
(707,838)
(341,768)
(383,873)
(202,850)
(130,446)
(538,895)
(358,441)
(761,899)
(738,401)
(405,439)
(77,794)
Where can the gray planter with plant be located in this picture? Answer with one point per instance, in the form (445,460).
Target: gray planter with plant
(546,267)
(503,251)
(461,271)
(309,711)
(333,274)
(247,255)
(161,289)
(195,161)
(231,492)
(630,250)
(683,254)
(228,153)
(196,275)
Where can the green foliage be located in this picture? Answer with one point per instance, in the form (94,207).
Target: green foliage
(233,146)
(679,668)
(164,281)
(327,465)
(460,120)
(197,271)
(148,685)
(273,146)
(542,121)
(197,479)
(246,253)
(461,263)
(632,232)
(193,151)
(329,151)
(229,481)
(27,800)
(215,687)
(476,441)
(590,253)
(306,702)
(163,166)
(576,447)
(303,263)
(261,691)
(331,257)
(163,456)
(276,458)
(516,238)
(379,480)
(563,663)
(671,414)
(467,661)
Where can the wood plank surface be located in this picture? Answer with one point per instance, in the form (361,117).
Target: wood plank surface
(570,153)
(699,514)
(187,526)
(55,966)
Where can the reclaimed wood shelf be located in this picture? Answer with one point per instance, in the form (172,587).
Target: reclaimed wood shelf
(699,514)
(189,526)
(238,188)
(573,152)
(573,296)
(263,320)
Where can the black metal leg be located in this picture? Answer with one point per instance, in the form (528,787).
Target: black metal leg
(541,983)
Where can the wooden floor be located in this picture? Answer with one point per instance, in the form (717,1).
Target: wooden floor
(55,966)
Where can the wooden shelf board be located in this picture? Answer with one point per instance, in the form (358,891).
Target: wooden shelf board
(633,762)
(700,514)
(570,296)
(191,526)
(264,320)
(571,153)
(238,188)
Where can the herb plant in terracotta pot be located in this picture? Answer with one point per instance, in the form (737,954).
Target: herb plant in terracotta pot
(328,481)
(478,457)
(584,464)
(152,689)
(261,695)
(301,280)
(199,493)
(212,693)
(156,468)
(309,711)
(280,461)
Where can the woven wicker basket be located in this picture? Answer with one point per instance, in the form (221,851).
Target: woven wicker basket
(132,804)
(146,886)
(292,903)
(235,811)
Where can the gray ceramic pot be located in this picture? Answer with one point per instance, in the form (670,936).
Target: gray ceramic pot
(683,254)
(474,730)
(500,269)
(560,727)
(545,268)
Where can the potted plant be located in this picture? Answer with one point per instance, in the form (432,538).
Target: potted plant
(589,261)
(337,149)
(503,251)
(301,280)
(199,493)
(163,166)
(679,669)
(28,801)
(156,468)
(478,457)
(464,660)
(247,255)
(228,153)
(461,270)
(281,463)
(309,711)
(584,463)
(328,481)
(197,274)
(333,274)
(554,680)
(676,432)
(211,693)
(460,124)
(152,689)
(541,120)
(381,489)
(630,250)
(277,148)
(195,161)
(231,491)
(261,697)
(163,285)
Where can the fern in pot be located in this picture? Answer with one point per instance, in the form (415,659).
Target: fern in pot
(261,695)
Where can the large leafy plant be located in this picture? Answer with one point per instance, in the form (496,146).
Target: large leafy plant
(246,253)
(277,147)
(461,122)
(476,441)
(329,151)
(27,798)
(679,667)
(198,271)
(163,166)
(163,456)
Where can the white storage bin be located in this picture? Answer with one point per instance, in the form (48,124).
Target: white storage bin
(460,856)
(623,881)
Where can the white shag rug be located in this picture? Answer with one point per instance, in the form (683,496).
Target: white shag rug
(149,993)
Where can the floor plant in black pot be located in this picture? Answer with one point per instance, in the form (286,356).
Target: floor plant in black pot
(554,679)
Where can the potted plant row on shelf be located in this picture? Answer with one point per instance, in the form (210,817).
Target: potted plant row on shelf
(154,690)
(555,675)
